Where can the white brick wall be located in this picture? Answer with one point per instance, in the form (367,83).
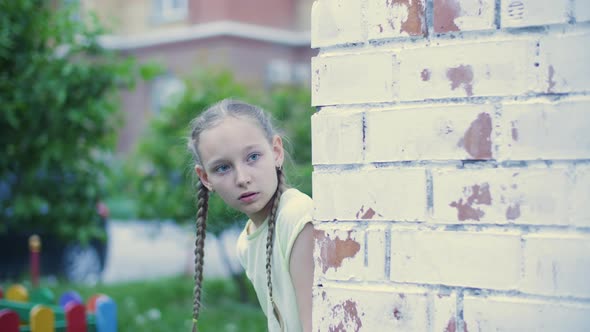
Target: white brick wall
(382,309)
(582,10)
(499,196)
(452,165)
(523,13)
(347,79)
(558,53)
(557,264)
(335,22)
(451,258)
(564,130)
(436,132)
(337,137)
(377,194)
(467,73)
(517,315)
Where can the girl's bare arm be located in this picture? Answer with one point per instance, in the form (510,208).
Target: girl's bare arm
(301,269)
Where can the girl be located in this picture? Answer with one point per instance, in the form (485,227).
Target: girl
(240,157)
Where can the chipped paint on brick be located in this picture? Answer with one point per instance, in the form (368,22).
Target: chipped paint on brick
(400,17)
(451,325)
(334,252)
(347,316)
(368,214)
(478,195)
(445,13)
(454,326)
(477,139)
(514,131)
(414,22)
(461,76)
(425,74)
(550,80)
(513,211)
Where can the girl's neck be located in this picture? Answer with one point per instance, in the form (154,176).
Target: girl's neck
(260,217)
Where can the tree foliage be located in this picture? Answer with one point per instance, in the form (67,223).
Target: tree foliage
(58,117)
(164,180)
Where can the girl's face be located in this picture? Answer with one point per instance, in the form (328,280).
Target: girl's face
(239,163)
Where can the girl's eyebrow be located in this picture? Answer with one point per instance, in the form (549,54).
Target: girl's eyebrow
(252,147)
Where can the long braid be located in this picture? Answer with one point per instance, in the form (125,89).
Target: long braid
(270,242)
(202,207)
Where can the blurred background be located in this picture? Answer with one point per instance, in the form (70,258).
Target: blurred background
(96,100)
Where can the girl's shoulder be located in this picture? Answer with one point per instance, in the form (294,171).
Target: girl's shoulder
(295,205)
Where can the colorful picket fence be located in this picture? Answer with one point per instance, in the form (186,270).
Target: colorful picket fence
(21,311)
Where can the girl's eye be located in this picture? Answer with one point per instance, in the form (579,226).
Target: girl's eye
(221,169)
(254,157)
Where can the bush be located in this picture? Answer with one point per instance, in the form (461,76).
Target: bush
(58,118)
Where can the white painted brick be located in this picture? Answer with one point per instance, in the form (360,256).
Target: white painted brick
(564,63)
(557,264)
(335,22)
(379,194)
(353,78)
(373,309)
(349,254)
(580,196)
(582,10)
(461,71)
(337,137)
(463,15)
(521,315)
(523,13)
(485,260)
(548,131)
(503,195)
(439,132)
(392,18)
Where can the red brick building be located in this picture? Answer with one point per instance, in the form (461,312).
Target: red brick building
(263,42)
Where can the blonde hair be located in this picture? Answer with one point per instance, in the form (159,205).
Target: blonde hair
(208,119)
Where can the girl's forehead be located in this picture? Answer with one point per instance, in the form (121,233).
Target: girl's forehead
(230,134)
(234,125)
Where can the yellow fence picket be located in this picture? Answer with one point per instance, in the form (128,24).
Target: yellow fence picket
(17,293)
(42,319)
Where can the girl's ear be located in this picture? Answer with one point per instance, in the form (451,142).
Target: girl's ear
(204,177)
(278,151)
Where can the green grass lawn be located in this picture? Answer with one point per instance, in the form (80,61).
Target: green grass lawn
(166,305)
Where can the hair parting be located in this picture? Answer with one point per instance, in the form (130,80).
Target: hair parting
(201,223)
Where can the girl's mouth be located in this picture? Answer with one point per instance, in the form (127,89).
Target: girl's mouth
(248,197)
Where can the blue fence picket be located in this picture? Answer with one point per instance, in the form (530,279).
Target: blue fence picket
(106,315)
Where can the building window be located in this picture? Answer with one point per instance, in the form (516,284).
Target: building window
(167,91)
(170,10)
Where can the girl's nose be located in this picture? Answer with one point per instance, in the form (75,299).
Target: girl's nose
(242,176)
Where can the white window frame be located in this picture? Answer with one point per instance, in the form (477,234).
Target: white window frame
(170,10)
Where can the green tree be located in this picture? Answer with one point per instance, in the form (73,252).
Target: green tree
(58,118)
